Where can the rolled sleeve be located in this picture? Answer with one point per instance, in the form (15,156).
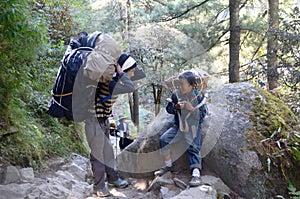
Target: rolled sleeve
(121,85)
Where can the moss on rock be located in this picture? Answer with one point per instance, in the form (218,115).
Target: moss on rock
(275,138)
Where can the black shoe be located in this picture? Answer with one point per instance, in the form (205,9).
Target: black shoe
(163,171)
(119,183)
(195,181)
(102,192)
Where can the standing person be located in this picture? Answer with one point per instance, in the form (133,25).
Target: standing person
(97,128)
(185,104)
(124,132)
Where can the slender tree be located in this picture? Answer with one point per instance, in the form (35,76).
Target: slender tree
(157,93)
(134,101)
(234,41)
(272,47)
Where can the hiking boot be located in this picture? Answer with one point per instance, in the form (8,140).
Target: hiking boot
(102,192)
(163,171)
(195,181)
(119,183)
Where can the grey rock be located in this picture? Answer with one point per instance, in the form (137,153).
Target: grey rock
(225,148)
(14,190)
(11,175)
(27,174)
(230,157)
(203,192)
(63,184)
(167,193)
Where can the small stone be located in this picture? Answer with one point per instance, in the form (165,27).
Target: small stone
(27,174)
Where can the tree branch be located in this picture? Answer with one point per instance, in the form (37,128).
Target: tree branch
(178,15)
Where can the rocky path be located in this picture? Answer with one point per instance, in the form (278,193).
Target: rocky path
(66,179)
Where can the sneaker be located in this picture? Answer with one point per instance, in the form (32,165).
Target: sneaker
(195,181)
(119,183)
(163,171)
(102,192)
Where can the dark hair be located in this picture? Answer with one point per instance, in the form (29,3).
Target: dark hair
(189,76)
(82,34)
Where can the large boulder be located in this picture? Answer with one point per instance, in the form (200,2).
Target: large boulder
(249,141)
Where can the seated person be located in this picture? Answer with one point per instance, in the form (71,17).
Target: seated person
(185,104)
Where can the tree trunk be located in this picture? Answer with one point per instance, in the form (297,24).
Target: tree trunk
(272,73)
(157,94)
(136,114)
(234,41)
(134,103)
(130,101)
(128,17)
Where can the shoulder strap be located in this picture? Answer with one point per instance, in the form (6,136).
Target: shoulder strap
(186,126)
(104,99)
(91,40)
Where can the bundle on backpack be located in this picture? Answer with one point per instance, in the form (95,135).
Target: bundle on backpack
(87,61)
(202,78)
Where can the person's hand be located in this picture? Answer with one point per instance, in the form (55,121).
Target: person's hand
(188,106)
(119,69)
(180,105)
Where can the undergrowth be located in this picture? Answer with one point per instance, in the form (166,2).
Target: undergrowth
(276,139)
(28,135)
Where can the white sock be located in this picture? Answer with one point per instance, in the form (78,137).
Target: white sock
(196,172)
(168,163)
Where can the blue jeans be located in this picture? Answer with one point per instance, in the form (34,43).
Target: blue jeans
(192,140)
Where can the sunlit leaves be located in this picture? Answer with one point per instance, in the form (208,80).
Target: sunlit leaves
(21,38)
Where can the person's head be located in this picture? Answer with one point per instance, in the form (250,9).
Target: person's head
(112,127)
(82,34)
(122,117)
(82,38)
(128,64)
(187,81)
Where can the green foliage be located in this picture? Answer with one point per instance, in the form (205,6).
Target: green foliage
(21,38)
(288,56)
(28,135)
(34,136)
(34,142)
(293,192)
(18,31)
(107,16)
(61,23)
(289,59)
(59,19)
(289,45)
(208,24)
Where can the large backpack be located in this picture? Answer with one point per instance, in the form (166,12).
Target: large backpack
(86,62)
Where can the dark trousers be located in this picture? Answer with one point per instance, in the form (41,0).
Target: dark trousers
(102,155)
(124,142)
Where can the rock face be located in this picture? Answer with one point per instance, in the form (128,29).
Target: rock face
(67,182)
(237,165)
(66,178)
(226,149)
(142,157)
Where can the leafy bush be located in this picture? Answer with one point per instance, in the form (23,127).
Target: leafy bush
(29,66)
(293,192)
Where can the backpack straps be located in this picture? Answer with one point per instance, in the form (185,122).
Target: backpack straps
(91,39)
(185,129)
(104,99)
